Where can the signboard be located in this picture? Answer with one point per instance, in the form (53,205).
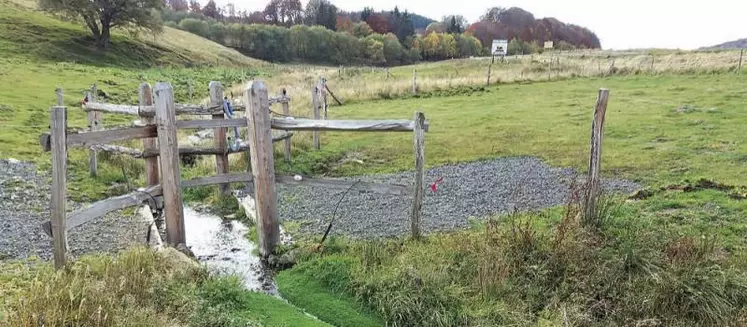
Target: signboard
(548,45)
(500,47)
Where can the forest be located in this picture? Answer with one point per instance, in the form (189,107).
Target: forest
(287,31)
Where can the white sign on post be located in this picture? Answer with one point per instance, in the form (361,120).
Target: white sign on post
(548,44)
(500,47)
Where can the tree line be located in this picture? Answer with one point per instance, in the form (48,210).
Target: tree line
(319,32)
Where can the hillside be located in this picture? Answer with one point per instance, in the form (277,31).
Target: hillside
(736,44)
(29,34)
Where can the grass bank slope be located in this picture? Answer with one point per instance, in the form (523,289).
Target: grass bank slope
(139,287)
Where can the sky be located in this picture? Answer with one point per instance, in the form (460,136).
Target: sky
(619,24)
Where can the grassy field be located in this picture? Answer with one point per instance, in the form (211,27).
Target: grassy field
(659,129)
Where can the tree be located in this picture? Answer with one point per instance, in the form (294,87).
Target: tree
(321,12)
(378,23)
(211,10)
(362,29)
(230,10)
(178,5)
(366,13)
(284,12)
(101,16)
(194,6)
(344,24)
(195,26)
(454,24)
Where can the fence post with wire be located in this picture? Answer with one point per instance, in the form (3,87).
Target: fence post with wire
(162,192)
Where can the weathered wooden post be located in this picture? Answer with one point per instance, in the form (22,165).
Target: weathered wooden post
(315,103)
(58,138)
(60,97)
(419,148)
(287,141)
(652,62)
(263,168)
(169,157)
(323,90)
(739,68)
(219,134)
(94,124)
(595,159)
(414,81)
(145,95)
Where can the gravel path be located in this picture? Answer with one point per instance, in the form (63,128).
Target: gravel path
(24,205)
(477,189)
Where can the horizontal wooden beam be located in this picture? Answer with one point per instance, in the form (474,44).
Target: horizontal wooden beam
(152,193)
(109,136)
(103,207)
(293,124)
(210,123)
(181,109)
(185,151)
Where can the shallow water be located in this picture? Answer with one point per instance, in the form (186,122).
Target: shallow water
(223,247)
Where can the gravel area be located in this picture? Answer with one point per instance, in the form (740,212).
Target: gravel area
(477,189)
(24,205)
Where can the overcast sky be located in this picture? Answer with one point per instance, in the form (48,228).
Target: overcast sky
(620,24)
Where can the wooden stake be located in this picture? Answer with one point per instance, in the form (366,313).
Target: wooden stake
(595,158)
(325,106)
(418,190)
(219,135)
(652,62)
(415,81)
(263,168)
(315,103)
(287,141)
(332,94)
(60,97)
(145,96)
(94,123)
(739,68)
(58,124)
(169,157)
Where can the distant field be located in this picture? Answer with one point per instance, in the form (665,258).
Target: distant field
(658,128)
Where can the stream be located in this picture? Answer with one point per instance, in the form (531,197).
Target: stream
(222,245)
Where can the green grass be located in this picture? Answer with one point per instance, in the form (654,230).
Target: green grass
(138,287)
(646,137)
(335,307)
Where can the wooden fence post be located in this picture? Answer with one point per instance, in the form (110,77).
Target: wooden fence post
(58,124)
(219,134)
(94,123)
(323,90)
(263,168)
(287,141)
(415,81)
(60,97)
(595,158)
(418,190)
(315,103)
(169,157)
(145,96)
(739,68)
(652,62)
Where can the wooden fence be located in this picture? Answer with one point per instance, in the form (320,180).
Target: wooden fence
(158,129)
